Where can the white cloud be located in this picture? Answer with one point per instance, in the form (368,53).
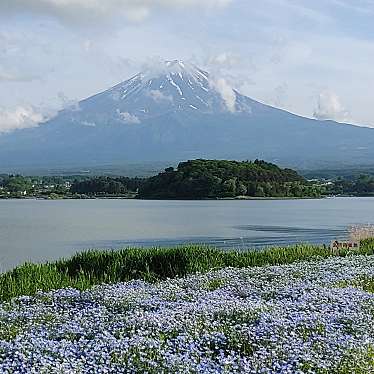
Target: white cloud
(20,117)
(27,116)
(74,10)
(227,93)
(128,118)
(280,94)
(67,104)
(159,97)
(236,70)
(329,107)
(13,75)
(225,59)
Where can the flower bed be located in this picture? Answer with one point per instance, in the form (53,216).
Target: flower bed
(314,317)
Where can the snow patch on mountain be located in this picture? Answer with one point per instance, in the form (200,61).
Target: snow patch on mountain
(88,124)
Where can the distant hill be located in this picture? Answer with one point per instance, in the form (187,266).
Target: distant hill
(175,112)
(221,178)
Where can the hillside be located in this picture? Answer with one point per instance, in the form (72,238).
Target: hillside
(221,178)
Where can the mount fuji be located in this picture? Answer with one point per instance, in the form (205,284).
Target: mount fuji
(175,112)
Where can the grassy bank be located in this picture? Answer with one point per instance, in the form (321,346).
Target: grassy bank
(95,267)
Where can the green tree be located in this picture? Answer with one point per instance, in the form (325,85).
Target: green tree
(241,189)
(229,187)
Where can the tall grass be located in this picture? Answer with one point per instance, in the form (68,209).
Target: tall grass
(361,232)
(94,267)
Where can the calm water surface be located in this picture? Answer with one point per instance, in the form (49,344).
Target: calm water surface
(41,230)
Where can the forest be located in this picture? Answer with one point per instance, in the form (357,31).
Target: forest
(196,179)
(360,186)
(107,186)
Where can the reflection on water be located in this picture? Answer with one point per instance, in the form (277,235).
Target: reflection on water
(292,230)
(32,230)
(274,236)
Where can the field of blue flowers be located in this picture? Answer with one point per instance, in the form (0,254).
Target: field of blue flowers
(311,317)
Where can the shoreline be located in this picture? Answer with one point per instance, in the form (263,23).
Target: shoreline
(239,198)
(121,197)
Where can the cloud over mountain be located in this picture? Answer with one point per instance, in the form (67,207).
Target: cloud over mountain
(329,107)
(226,92)
(20,117)
(159,97)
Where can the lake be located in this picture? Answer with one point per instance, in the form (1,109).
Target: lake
(42,230)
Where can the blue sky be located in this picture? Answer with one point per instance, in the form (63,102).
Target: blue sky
(314,58)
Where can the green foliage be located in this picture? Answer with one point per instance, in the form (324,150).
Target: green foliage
(221,178)
(16,184)
(366,283)
(95,267)
(106,186)
(360,186)
(363,363)
(215,284)
(8,331)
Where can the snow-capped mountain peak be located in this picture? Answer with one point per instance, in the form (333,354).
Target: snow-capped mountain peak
(185,70)
(171,86)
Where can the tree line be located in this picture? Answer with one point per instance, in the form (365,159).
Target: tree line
(107,186)
(193,179)
(361,186)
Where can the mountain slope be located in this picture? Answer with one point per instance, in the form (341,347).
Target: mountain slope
(176,112)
